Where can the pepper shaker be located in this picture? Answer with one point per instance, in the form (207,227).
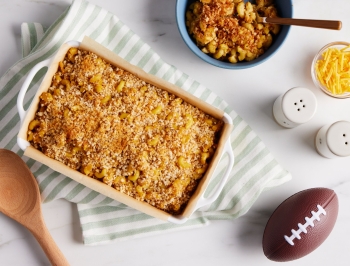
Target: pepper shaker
(333,140)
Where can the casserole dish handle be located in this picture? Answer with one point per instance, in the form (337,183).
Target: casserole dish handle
(22,113)
(46,63)
(203,201)
(206,201)
(23,143)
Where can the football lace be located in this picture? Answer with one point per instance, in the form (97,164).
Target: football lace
(302,227)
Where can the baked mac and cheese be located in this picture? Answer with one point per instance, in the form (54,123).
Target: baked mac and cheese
(112,126)
(228,30)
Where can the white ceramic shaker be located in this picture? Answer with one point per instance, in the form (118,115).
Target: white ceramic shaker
(333,140)
(295,107)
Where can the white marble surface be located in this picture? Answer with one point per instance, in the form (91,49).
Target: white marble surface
(234,242)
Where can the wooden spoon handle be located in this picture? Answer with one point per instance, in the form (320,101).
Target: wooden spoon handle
(43,236)
(323,24)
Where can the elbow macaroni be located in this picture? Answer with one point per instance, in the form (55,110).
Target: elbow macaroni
(228,30)
(129,134)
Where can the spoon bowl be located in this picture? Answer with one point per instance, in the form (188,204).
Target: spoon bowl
(18,196)
(20,200)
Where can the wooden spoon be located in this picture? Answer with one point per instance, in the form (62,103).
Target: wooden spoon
(323,24)
(20,200)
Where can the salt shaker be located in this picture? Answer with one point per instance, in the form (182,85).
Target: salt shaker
(295,107)
(333,140)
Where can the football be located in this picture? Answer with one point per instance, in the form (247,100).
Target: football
(300,224)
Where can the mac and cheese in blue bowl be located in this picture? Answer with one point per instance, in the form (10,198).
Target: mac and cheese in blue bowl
(227,34)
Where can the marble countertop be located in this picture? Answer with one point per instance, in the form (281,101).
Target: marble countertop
(235,242)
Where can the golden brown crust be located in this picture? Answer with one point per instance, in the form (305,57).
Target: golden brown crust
(228,30)
(111,125)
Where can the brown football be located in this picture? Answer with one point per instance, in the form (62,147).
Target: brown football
(300,224)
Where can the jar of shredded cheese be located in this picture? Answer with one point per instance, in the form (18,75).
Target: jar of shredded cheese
(330,69)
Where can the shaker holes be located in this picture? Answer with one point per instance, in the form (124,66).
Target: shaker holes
(297,104)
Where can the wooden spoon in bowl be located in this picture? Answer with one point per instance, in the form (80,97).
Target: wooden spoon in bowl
(323,24)
(20,200)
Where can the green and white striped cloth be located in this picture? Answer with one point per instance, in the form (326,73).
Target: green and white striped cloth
(104,220)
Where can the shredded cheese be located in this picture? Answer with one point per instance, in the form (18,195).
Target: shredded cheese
(333,70)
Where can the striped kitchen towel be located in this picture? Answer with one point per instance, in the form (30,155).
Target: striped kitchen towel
(104,220)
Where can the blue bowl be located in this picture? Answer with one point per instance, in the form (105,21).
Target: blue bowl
(284,9)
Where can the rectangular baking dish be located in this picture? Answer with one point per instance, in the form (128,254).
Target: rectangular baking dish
(197,200)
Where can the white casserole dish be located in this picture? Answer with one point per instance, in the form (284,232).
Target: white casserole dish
(197,200)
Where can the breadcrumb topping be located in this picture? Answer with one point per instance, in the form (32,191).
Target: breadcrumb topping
(112,126)
(230,30)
